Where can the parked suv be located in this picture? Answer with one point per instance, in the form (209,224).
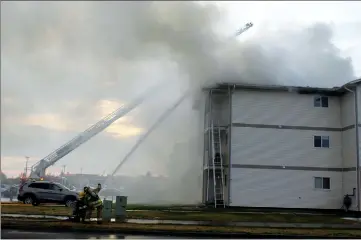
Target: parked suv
(36,192)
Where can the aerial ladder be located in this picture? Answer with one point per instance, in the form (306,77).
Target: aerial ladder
(243,29)
(39,168)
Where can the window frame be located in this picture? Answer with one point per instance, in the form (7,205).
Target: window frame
(323,138)
(322,100)
(322,181)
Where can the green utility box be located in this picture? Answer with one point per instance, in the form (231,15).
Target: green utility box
(121,208)
(107,210)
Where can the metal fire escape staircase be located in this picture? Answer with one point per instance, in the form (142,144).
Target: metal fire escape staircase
(213,158)
(217,167)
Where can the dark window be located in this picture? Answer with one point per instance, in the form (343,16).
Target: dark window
(322,183)
(321,102)
(39,185)
(326,183)
(324,102)
(55,187)
(33,185)
(317,141)
(321,141)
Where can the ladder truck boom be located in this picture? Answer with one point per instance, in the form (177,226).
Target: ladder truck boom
(38,169)
(243,29)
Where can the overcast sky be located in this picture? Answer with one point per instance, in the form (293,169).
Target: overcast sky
(66,65)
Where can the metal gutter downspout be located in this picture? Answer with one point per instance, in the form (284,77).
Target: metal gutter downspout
(204,183)
(357,150)
(230,92)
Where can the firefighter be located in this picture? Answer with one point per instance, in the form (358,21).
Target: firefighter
(13,192)
(80,208)
(93,201)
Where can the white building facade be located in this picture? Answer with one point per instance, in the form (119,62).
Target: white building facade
(281,147)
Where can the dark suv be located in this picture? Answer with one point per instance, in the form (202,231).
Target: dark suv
(36,192)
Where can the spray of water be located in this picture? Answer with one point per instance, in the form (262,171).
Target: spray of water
(56,53)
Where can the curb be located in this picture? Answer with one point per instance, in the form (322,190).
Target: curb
(129,231)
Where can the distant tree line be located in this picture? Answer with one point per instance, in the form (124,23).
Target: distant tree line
(5,180)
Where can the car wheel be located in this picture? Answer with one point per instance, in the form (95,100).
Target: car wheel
(29,200)
(69,203)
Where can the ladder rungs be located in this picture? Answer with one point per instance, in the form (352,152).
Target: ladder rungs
(216,162)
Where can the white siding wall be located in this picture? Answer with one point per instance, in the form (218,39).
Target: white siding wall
(347,110)
(359,112)
(359,115)
(359,100)
(348,136)
(348,145)
(284,147)
(348,183)
(284,188)
(283,108)
(349,160)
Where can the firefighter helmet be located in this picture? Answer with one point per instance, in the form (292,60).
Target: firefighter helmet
(81,194)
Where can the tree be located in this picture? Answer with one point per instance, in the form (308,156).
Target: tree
(3,178)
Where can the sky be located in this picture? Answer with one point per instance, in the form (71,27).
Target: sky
(342,16)
(65,65)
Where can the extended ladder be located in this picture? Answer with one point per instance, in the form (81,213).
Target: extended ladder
(217,164)
(38,169)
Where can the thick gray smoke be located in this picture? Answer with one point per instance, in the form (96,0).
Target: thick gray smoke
(64,57)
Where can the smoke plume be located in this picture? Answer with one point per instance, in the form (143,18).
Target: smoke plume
(63,58)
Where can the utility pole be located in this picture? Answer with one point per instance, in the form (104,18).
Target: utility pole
(63,171)
(26,166)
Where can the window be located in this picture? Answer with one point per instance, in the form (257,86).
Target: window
(39,185)
(322,183)
(321,101)
(321,141)
(55,187)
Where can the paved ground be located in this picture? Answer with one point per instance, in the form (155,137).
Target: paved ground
(239,224)
(16,234)
(7,199)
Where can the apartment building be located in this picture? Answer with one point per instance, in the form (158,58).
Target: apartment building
(283,147)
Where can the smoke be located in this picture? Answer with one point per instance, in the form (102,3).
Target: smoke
(65,57)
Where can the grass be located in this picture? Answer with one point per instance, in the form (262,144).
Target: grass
(187,216)
(146,207)
(124,227)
